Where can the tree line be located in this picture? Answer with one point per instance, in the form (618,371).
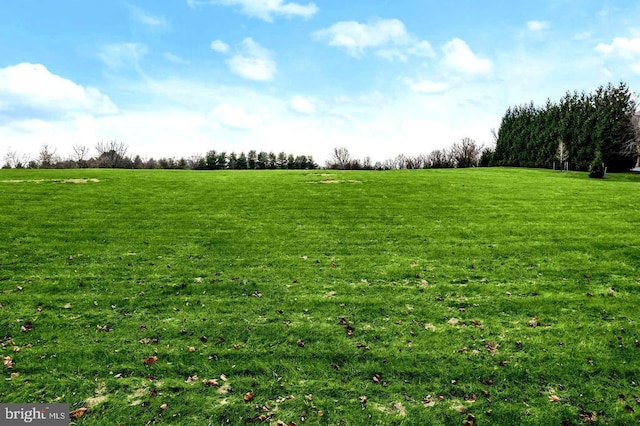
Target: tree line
(577,132)
(466,153)
(113,154)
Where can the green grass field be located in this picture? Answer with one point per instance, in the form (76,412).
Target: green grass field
(476,296)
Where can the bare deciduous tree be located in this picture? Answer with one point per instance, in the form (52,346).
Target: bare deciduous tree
(80,153)
(15,160)
(466,153)
(111,154)
(47,157)
(340,159)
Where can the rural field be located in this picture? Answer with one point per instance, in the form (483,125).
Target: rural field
(417,297)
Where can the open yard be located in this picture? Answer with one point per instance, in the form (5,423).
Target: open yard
(475,296)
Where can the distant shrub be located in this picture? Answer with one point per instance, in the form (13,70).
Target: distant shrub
(596,169)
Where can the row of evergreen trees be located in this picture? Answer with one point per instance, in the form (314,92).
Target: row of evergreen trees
(575,130)
(113,154)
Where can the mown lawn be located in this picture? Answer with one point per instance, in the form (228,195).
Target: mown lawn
(478,296)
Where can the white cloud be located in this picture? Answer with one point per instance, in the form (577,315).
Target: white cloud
(122,55)
(235,117)
(302,105)
(459,57)
(388,38)
(537,25)
(422,48)
(265,9)
(254,62)
(426,86)
(219,46)
(31,91)
(174,58)
(149,20)
(621,47)
(355,37)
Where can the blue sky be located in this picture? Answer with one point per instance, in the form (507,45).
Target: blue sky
(380,77)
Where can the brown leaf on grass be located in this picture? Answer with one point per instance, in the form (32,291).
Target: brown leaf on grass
(144,341)
(192,379)
(469,421)
(343,321)
(300,343)
(533,322)
(248,396)
(7,361)
(236,346)
(163,406)
(210,382)
(376,378)
(204,339)
(76,414)
(554,398)
(363,401)
(428,401)
(191,349)
(334,265)
(588,417)
(492,347)
(150,361)
(453,321)
(349,330)
(27,327)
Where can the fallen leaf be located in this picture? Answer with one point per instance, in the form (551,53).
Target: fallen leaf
(192,379)
(554,398)
(349,330)
(191,349)
(453,321)
(236,346)
(248,396)
(377,378)
(14,375)
(492,347)
(363,401)
(428,401)
(210,382)
(28,326)
(151,360)
(470,421)
(76,414)
(7,361)
(163,406)
(300,343)
(533,322)
(588,417)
